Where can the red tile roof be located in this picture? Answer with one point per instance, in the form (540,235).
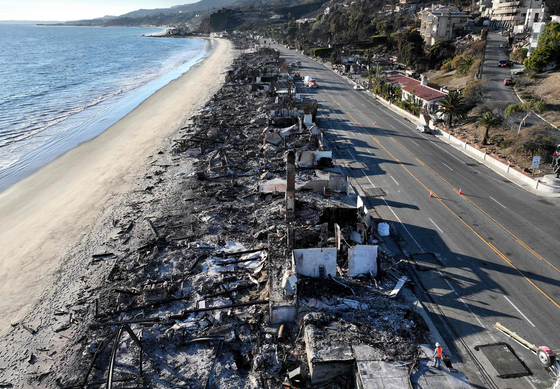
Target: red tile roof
(408,84)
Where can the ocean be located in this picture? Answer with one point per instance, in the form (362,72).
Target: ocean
(61,86)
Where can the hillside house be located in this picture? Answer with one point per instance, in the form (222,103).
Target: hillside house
(417,90)
(518,12)
(441,22)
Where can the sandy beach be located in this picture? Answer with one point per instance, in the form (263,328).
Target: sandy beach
(50,211)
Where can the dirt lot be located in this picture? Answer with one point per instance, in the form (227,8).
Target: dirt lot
(544,86)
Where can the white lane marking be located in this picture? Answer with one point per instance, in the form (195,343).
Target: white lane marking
(436,225)
(530,383)
(394,180)
(464,303)
(416,143)
(521,313)
(393,212)
(420,247)
(441,148)
(422,250)
(447,166)
(498,202)
(459,259)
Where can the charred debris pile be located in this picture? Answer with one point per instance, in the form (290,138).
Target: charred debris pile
(240,264)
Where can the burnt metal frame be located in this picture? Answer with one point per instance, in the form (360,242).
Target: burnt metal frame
(116,335)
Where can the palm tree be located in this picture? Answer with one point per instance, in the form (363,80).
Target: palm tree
(452,105)
(487,120)
(467,63)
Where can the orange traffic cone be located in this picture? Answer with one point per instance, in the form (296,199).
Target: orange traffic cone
(460,191)
(431,194)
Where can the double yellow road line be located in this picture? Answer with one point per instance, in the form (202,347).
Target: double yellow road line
(500,254)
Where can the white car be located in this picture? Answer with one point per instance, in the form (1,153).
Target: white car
(423,129)
(358,87)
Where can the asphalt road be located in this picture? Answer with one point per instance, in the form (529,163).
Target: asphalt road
(496,75)
(493,73)
(497,244)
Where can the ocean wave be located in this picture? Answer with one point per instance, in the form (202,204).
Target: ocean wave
(36,122)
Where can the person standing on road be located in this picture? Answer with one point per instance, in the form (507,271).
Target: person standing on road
(437,356)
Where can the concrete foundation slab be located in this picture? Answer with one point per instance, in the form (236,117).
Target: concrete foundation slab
(381,375)
(326,360)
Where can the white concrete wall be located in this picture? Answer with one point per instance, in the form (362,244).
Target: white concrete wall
(503,167)
(308,261)
(362,259)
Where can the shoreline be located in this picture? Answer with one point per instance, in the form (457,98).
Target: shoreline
(92,119)
(49,211)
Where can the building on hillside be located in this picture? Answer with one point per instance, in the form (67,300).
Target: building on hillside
(536,33)
(534,37)
(441,22)
(306,20)
(417,91)
(484,7)
(512,13)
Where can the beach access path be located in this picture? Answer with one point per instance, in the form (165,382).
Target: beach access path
(44,215)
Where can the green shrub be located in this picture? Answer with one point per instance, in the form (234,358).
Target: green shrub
(446,66)
(456,62)
(322,52)
(504,143)
(539,106)
(514,108)
(519,55)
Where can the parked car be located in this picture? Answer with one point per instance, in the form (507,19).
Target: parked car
(358,87)
(423,129)
(508,81)
(505,63)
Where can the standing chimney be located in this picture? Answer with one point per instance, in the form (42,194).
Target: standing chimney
(290,185)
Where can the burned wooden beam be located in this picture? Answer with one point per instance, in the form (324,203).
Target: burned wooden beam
(236,289)
(152,227)
(184,314)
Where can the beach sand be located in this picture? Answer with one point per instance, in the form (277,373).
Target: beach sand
(44,215)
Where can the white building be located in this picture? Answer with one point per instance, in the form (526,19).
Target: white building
(534,38)
(536,33)
(441,22)
(513,13)
(417,91)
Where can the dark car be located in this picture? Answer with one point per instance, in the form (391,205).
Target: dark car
(505,63)
(423,129)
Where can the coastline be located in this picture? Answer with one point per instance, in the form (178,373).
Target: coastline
(48,212)
(84,121)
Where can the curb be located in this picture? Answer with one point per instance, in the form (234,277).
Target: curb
(535,113)
(505,170)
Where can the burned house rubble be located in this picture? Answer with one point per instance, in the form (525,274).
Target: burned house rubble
(241,261)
